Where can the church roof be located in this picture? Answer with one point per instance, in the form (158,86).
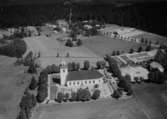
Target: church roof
(83,75)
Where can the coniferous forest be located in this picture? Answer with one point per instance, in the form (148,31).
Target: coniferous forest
(151,17)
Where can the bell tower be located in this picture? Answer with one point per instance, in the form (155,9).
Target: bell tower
(63,72)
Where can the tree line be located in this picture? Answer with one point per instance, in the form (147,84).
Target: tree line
(146,16)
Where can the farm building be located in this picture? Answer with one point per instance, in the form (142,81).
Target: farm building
(124,33)
(136,72)
(127,59)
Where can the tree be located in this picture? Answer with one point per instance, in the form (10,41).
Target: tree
(79,42)
(96,94)
(113,53)
(60,97)
(117,53)
(86,65)
(131,51)
(100,64)
(83,95)
(28,59)
(22,114)
(42,94)
(70,66)
(28,101)
(139,49)
(32,69)
(124,83)
(73,96)
(113,67)
(117,94)
(69,43)
(66,97)
(33,83)
(156,76)
(148,48)
(55,69)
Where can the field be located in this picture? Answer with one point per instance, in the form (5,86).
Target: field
(13,81)
(93,49)
(104,45)
(148,103)
(49,47)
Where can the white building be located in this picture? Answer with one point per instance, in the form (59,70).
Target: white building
(78,79)
(135,72)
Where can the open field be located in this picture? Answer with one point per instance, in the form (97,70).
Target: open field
(12,85)
(49,47)
(103,45)
(147,104)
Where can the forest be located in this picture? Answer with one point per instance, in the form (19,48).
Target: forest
(147,16)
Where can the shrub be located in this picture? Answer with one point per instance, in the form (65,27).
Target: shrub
(83,95)
(117,94)
(96,94)
(60,97)
(33,83)
(73,96)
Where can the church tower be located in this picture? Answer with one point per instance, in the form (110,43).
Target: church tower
(63,73)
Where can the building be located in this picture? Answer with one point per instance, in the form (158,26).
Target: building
(135,72)
(77,79)
(135,58)
(123,33)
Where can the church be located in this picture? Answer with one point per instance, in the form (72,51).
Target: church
(77,79)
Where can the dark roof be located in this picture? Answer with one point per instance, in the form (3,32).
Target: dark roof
(83,75)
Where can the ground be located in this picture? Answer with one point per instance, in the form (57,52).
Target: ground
(149,102)
(13,81)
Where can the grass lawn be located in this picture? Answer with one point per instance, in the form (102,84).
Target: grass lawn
(13,81)
(103,45)
(103,109)
(49,47)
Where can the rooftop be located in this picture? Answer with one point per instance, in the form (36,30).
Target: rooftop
(83,75)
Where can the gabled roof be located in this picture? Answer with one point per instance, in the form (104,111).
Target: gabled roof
(83,75)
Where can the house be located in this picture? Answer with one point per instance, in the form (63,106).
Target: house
(135,72)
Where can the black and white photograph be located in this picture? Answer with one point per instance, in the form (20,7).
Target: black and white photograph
(83,59)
